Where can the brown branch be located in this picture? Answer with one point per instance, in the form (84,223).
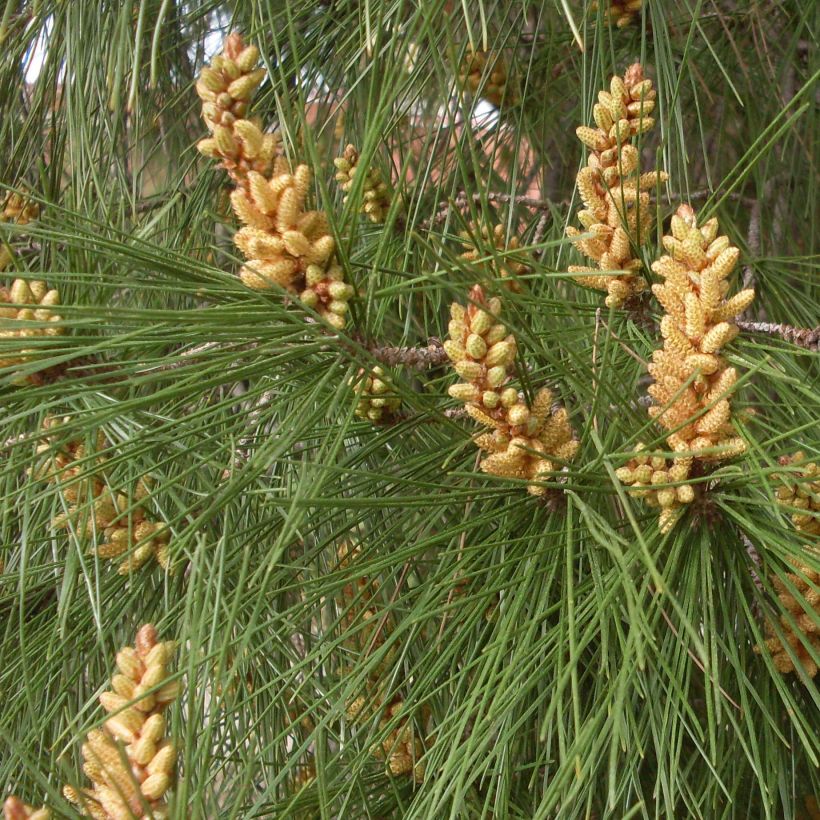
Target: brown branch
(418,358)
(808,338)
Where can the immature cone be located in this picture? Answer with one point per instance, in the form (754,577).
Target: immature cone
(375,194)
(801,628)
(26,312)
(226,88)
(622,12)
(15,809)
(117,519)
(377,397)
(799,492)
(615,194)
(130,762)
(527,441)
(476,240)
(693,383)
(495,88)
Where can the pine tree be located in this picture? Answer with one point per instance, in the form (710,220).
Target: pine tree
(328,335)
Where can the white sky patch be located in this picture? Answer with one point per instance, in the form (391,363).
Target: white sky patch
(36,55)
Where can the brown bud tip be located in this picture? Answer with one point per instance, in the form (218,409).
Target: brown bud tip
(687,214)
(633,75)
(233,45)
(14,809)
(477,294)
(146,639)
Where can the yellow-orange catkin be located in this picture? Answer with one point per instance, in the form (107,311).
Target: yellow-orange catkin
(621,12)
(377,398)
(495,87)
(479,243)
(285,244)
(527,441)
(15,809)
(119,521)
(801,626)
(27,312)
(617,206)
(20,210)
(376,197)
(226,88)
(130,761)
(693,383)
(798,491)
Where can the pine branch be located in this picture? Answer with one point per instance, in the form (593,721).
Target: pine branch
(808,338)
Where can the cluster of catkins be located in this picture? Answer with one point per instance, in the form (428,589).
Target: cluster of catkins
(622,12)
(15,208)
(496,88)
(692,382)
(377,398)
(800,627)
(615,194)
(476,239)
(30,306)
(129,761)
(16,809)
(285,245)
(94,508)
(402,747)
(799,492)
(527,441)
(376,197)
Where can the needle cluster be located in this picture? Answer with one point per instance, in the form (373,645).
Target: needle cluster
(616,216)
(118,520)
(376,197)
(402,746)
(526,441)
(130,762)
(693,383)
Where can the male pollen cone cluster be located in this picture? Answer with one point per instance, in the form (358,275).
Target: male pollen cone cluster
(95,509)
(375,195)
(130,762)
(622,12)
(476,239)
(15,208)
(799,492)
(16,809)
(615,194)
(692,382)
(402,747)
(526,442)
(801,625)
(377,398)
(496,88)
(285,245)
(26,312)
